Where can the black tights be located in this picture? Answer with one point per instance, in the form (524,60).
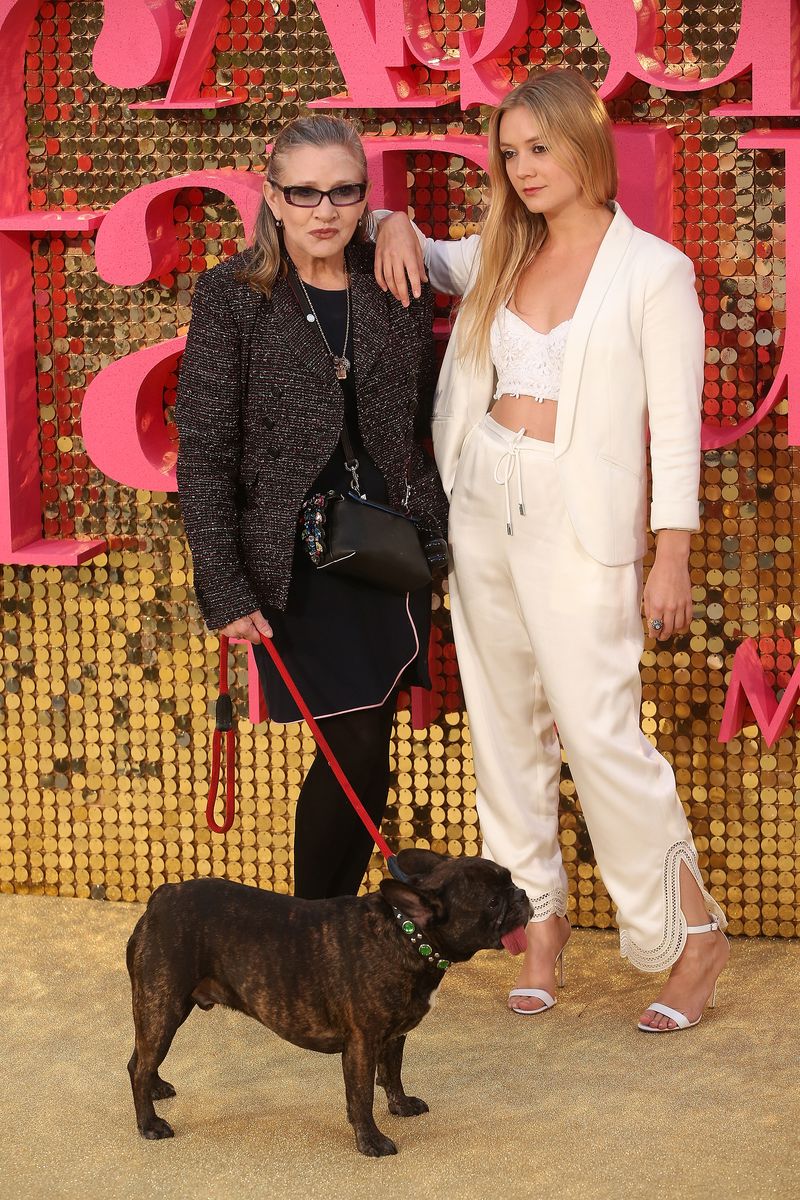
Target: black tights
(331,846)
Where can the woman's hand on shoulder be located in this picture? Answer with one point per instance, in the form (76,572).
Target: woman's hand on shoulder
(250,627)
(398,258)
(668,591)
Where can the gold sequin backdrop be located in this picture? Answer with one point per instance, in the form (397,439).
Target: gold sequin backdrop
(108,669)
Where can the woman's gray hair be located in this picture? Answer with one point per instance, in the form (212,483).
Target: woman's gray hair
(265,261)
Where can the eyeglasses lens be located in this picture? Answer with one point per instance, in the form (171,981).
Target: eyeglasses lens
(305,197)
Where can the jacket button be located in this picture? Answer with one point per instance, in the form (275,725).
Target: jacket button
(274,452)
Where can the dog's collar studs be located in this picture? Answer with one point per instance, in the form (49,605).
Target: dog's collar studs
(423,948)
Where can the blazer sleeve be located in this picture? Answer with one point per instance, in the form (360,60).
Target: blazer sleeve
(449,264)
(673,351)
(208,413)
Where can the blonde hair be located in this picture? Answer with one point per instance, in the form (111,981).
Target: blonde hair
(265,261)
(573,123)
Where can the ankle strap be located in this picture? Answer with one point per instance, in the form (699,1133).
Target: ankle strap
(712,927)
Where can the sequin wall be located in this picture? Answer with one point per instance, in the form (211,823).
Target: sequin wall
(108,669)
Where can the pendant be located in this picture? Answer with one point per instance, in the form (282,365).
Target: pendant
(342,366)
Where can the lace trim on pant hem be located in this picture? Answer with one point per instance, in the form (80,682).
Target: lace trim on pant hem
(674,939)
(549,904)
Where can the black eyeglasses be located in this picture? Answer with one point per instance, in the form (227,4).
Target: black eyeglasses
(308,197)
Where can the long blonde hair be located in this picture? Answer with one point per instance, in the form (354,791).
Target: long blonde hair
(574,125)
(265,261)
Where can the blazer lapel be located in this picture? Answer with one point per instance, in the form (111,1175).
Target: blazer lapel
(300,336)
(370,316)
(604,268)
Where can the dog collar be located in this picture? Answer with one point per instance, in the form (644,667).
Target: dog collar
(423,948)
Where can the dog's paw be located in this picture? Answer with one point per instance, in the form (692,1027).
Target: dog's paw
(157,1129)
(408,1106)
(375,1145)
(162,1090)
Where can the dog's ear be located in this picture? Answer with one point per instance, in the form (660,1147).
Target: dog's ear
(419,862)
(419,906)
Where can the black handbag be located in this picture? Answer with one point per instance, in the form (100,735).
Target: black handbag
(349,534)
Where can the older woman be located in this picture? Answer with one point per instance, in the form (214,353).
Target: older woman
(291,343)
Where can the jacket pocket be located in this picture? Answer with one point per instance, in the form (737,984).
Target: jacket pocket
(621,466)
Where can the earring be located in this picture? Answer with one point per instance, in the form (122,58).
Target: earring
(278,223)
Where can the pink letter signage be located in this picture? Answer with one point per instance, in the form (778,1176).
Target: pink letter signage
(390,58)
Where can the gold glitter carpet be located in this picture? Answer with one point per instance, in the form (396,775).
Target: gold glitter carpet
(572,1104)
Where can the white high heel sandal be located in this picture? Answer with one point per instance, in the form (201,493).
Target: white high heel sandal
(680,1019)
(547,1000)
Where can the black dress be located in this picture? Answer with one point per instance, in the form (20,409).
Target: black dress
(346,644)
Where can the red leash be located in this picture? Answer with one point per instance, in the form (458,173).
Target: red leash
(224,724)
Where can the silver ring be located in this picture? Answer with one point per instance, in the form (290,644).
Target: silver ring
(657,624)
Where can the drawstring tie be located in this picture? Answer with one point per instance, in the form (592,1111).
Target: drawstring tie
(508,462)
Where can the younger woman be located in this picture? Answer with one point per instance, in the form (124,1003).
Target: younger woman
(577,332)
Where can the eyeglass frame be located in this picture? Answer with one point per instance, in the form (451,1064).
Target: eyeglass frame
(284,188)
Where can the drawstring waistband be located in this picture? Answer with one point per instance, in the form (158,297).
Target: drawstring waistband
(509,462)
(513,444)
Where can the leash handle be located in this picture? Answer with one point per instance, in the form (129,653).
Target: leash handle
(223,713)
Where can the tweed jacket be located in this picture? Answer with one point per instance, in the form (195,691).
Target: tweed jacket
(253,438)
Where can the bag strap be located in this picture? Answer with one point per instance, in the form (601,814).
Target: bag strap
(350,459)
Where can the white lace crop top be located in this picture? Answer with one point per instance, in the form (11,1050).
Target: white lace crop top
(528,363)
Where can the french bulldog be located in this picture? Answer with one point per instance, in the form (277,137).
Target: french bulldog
(350,976)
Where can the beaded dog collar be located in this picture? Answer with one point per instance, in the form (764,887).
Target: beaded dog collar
(425,949)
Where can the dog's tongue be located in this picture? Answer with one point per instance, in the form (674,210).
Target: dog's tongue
(516,941)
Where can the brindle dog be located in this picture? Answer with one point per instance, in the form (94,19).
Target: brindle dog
(339,976)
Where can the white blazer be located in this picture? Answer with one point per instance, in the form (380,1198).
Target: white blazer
(634,356)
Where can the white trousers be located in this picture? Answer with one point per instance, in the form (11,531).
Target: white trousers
(548,637)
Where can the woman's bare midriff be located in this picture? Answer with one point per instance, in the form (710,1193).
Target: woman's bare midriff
(539,418)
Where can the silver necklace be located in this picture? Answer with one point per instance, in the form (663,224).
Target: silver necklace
(341,362)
